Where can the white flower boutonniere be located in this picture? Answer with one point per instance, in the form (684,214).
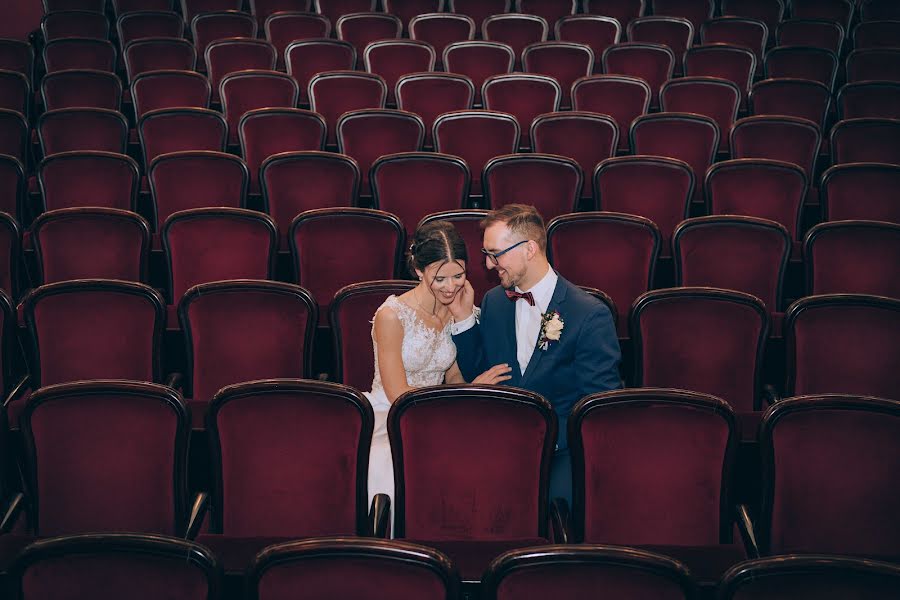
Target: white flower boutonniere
(551,328)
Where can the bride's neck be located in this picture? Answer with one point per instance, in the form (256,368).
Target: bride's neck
(426,301)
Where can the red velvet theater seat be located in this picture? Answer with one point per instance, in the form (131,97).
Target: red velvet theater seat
(51,6)
(550,183)
(346,568)
(479,10)
(628,244)
(738,31)
(17,55)
(861,191)
(873,64)
(106,456)
(828,477)
(14,135)
(595,31)
(695,11)
(306,58)
(524,96)
(580,571)
(169,89)
(620,97)
(866,140)
(143,55)
(622,10)
(13,534)
(675,32)
(549,10)
(478,61)
(876,34)
(817,33)
(769,12)
(836,11)
(409,9)
(565,62)
(369,249)
(116,565)
(843,343)
(88,178)
(79,53)
(207,27)
(333,93)
(706,340)
(122,7)
(654,63)
(737,64)
(802,62)
(429,95)
(248,90)
(237,54)
(290,461)
(363,28)
(335,9)
(191,8)
(286,26)
(516,30)
(714,97)
(876,10)
(262,9)
(392,59)
(138,24)
(7,344)
(875,99)
(15,92)
(79,88)
(175,129)
(788,139)
(70,129)
(440,30)
(650,468)
(10,255)
(471,508)
(12,188)
(800,98)
(467,223)
(351,313)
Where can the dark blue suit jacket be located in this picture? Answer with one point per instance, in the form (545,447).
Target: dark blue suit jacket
(584,361)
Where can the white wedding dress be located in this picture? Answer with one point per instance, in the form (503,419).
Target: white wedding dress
(427,354)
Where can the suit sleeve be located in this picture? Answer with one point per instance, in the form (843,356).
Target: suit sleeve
(597,354)
(470,354)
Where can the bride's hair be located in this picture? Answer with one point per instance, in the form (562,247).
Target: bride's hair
(437,241)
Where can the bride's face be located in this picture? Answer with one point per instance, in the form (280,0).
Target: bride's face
(445,279)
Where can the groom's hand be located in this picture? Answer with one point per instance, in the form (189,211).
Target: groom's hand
(494,375)
(463,304)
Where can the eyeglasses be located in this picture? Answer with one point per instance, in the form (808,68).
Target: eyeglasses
(495,256)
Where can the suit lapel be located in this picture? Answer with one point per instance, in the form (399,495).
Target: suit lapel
(559,296)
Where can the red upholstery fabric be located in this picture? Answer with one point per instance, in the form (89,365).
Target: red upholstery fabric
(441,30)
(13,134)
(622,98)
(879,9)
(15,92)
(695,11)
(334,9)
(653,63)
(552,184)
(148,24)
(169,89)
(69,89)
(715,98)
(842,198)
(739,31)
(853,257)
(838,11)
(363,28)
(71,179)
(478,61)
(412,185)
(285,28)
(479,10)
(244,331)
(154,54)
(369,250)
(734,63)
(432,94)
(769,12)
(94,330)
(550,10)
(58,5)
(792,97)
(305,58)
(515,30)
(177,129)
(823,457)
(622,10)
(629,245)
(657,188)
(467,224)
(596,32)
(208,27)
(842,345)
(87,477)
(79,53)
(215,244)
(802,62)
(787,139)
(191,8)
(877,99)
(91,243)
(249,90)
(408,9)
(675,32)
(351,313)
(800,31)
(728,330)
(10,253)
(875,34)
(82,129)
(230,55)
(866,140)
(185,180)
(524,96)
(391,59)
(267,131)
(12,187)
(332,94)
(563,61)
(476,137)
(651,464)
(366,135)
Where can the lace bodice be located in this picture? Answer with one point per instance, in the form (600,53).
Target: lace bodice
(427,353)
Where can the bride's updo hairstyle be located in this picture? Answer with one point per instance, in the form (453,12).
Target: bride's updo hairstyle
(437,241)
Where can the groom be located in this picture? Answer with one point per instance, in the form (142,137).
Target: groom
(558,340)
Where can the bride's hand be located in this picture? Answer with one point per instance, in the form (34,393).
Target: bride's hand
(494,375)
(463,304)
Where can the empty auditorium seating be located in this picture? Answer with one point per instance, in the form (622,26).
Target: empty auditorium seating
(595,31)
(15,92)
(335,9)
(71,179)
(333,93)
(440,30)
(675,32)
(828,35)
(154,54)
(714,97)
(563,61)
(515,30)
(548,182)
(525,96)
(621,10)
(208,27)
(169,89)
(654,63)
(866,140)
(769,12)
(175,129)
(284,27)
(621,97)
(876,34)
(79,53)
(306,58)
(74,23)
(409,9)
(191,8)
(236,54)
(734,63)
(875,99)
(841,199)
(68,129)
(785,96)
(802,62)
(10,255)
(14,135)
(248,90)
(392,59)
(550,10)
(78,88)
(432,94)
(695,11)
(738,31)
(361,28)
(479,10)
(148,24)
(837,11)
(478,61)
(789,139)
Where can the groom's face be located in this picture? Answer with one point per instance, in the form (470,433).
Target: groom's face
(512,266)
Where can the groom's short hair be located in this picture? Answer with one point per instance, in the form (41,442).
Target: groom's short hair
(523,219)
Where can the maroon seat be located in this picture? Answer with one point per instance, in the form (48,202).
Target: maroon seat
(835,344)
(478,61)
(307,58)
(116,565)
(630,243)
(144,55)
(335,9)
(737,64)
(237,54)
(90,243)
(69,129)
(177,129)
(440,30)
(264,132)
(695,11)
(79,53)
(407,10)
(654,63)
(770,12)
(196,179)
(479,10)
(738,31)
(465,424)
(17,55)
(843,197)
(392,59)
(714,97)
(788,139)
(587,138)
(78,88)
(654,187)
(248,90)
(412,185)
(845,447)
(650,468)
(294,182)
(853,257)
(573,571)
(876,10)
(835,11)
(467,223)
(169,89)
(809,576)
(816,33)
(800,98)
(565,62)
(208,27)
(246,330)
(525,96)
(516,30)
(429,95)
(191,8)
(50,6)
(363,28)
(74,23)
(675,32)
(874,99)
(476,137)
(13,135)
(761,188)
(866,140)
(345,568)
(595,31)
(621,10)
(148,24)
(10,257)
(263,9)
(121,7)
(88,178)
(284,27)
(549,10)
(876,34)
(623,98)
(548,182)
(333,93)
(12,188)
(370,249)
(802,62)
(350,318)
(15,92)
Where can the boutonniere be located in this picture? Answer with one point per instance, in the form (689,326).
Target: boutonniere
(551,328)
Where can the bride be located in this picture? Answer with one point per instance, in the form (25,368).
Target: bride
(411,336)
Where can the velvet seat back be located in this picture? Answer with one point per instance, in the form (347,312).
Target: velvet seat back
(866,140)
(518,31)
(654,63)
(525,96)
(737,64)
(333,93)
(739,31)
(219,24)
(802,62)
(769,12)
(869,99)
(13,134)
(842,199)
(88,178)
(69,129)
(622,98)
(169,89)
(675,32)
(392,59)
(177,129)
(875,64)
(818,33)
(10,254)
(695,11)
(306,58)
(565,62)
(79,53)
(155,54)
(595,31)
(550,10)
(12,185)
(550,183)
(251,89)
(70,89)
(788,139)
(149,23)
(478,61)
(440,30)
(479,10)
(363,28)
(713,97)
(430,95)
(800,98)
(853,257)
(237,54)
(282,29)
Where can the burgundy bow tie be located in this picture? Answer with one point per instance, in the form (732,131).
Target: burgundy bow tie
(526,296)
